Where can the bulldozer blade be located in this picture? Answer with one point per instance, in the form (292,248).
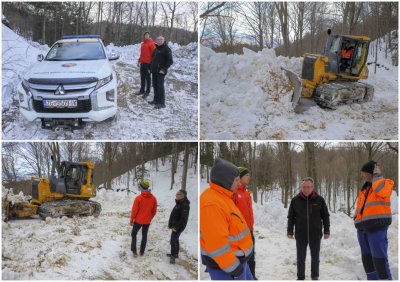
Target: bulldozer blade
(296,83)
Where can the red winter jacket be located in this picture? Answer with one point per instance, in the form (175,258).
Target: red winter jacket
(243,201)
(146,51)
(144,208)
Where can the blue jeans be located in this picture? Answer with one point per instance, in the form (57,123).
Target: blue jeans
(374,254)
(218,274)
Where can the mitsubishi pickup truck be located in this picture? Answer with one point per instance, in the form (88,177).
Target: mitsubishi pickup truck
(74,83)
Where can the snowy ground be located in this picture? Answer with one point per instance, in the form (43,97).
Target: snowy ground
(340,257)
(135,119)
(99,248)
(248,97)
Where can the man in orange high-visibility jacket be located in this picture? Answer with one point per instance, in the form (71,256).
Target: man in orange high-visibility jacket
(225,239)
(372,219)
(243,201)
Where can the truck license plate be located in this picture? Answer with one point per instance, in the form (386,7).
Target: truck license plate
(60,103)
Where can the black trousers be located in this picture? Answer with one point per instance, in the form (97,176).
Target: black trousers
(252,262)
(175,243)
(145,80)
(135,230)
(158,85)
(301,247)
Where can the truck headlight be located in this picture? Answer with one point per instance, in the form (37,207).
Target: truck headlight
(110,95)
(103,81)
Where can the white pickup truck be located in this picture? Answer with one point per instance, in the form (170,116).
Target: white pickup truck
(73,83)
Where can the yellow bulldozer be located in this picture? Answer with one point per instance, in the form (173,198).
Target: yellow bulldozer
(333,77)
(67,194)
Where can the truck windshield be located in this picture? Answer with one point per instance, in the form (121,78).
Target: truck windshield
(74,51)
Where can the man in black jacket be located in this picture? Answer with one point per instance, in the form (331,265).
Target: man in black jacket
(307,213)
(177,222)
(160,62)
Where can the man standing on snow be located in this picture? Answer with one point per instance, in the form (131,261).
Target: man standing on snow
(160,62)
(243,201)
(372,219)
(307,214)
(177,222)
(143,210)
(225,239)
(146,52)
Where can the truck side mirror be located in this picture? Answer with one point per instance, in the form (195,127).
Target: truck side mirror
(40,57)
(113,56)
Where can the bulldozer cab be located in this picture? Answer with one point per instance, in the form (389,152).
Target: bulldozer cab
(347,55)
(72,177)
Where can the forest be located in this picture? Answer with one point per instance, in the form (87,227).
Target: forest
(292,28)
(21,161)
(277,168)
(121,23)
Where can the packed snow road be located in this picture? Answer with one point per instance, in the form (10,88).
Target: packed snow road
(89,248)
(135,118)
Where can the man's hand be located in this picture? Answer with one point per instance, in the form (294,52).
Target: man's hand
(174,229)
(131,223)
(326,236)
(138,64)
(290,236)
(377,169)
(162,71)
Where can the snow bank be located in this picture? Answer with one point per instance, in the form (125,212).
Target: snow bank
(18,55)
(247,97)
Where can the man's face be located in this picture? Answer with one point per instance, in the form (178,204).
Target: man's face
(160,40)
(179,196)
(307,187)
(366,176)
(235,184)
(245,180)
(147,36)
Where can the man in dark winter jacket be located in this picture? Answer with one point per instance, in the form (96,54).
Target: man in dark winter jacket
(372,219)
(307,214)
(177,222)
(160,62)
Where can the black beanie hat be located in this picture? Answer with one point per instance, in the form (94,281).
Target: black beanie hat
(183,192)
(223,173)
(369,167)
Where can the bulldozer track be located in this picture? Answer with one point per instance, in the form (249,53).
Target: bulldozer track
(69,208)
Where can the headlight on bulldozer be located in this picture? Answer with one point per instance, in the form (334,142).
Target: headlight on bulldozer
(103,81)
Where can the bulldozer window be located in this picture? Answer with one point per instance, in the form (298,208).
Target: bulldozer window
(335,48)
(73,179)
(85,171)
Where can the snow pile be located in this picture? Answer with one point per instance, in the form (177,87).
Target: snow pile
(237,90)
(9,196)
(89,248)
(18,55)
(247,97)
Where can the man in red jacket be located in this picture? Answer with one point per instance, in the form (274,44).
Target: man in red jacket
(146,52)
(243,201)
(143,210)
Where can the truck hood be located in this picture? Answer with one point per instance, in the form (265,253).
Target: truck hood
(70,69)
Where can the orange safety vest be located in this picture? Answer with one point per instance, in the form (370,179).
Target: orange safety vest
(346,54)
(373,204)
(224,235)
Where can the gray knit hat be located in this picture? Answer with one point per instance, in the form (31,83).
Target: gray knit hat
(223,173)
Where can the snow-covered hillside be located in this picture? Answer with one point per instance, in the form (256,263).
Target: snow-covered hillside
(135,119)
(340,257)
(91,248)
(248,97)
